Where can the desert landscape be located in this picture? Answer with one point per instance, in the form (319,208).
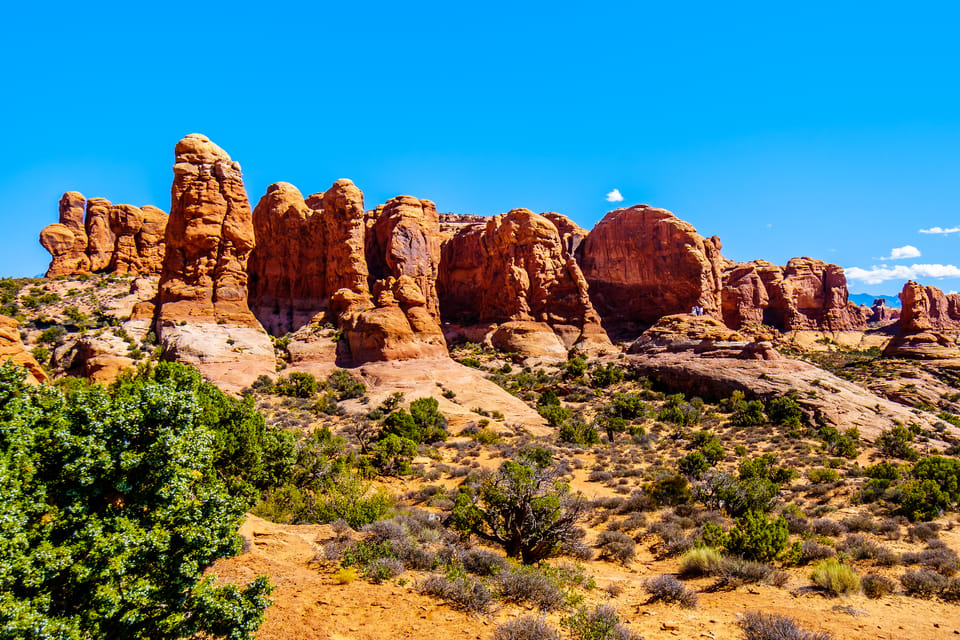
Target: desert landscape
(503,427)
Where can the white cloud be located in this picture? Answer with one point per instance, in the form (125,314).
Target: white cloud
(614,196)
(939,230)
(876,275)
(899,253)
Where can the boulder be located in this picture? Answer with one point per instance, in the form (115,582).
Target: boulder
(515,267)
(643,263)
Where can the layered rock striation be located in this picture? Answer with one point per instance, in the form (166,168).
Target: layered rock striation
(96,235)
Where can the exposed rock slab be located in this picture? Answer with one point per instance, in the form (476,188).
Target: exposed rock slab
(832,400)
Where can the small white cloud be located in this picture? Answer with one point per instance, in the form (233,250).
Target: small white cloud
(876,275)
(899,253)
(940,230)
(769,225)
(615,196)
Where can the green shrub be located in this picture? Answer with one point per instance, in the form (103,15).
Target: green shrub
(526,627)
(895,442)
(574,367)
(52,335)
(576,431)
(785,412)
(837,578)
(666,588)
(693,464)
(113,508)
(554,414)
(348,497)
(755,537)
(627,406)
(819,476)
(603,376)
(875,586)
(749,414)
(670,490)
(296,385)
(678,411)
(424,423)
(345,385)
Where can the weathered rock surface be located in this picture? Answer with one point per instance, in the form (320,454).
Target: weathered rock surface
(805,295)
(925,313)
(11,348)
(202,312)
(516,268)
(700,334)
(96,358)
(825,397)
(121,238)
(644,263)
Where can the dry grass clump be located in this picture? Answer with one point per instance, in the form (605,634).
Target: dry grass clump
(836,578)
(464,592)
(616,546)
(701,561)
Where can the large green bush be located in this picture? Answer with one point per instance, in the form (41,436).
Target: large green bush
(758,538)
(112,508)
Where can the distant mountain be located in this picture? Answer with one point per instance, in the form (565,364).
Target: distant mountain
(867,299)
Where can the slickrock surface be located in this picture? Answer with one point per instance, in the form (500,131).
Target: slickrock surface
(202,314)
(806,294)
(516,268)
(644,263)
(11,348)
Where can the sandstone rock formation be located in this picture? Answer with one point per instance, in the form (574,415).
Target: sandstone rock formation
(319,259)
(571,233)
(11,348)
(67,240)
(703,335)
(880,313)
(806,294)
(925,312)
(643,263)
(515,268)
(121,238)
(202,313)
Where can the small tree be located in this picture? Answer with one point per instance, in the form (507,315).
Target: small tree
(524,507)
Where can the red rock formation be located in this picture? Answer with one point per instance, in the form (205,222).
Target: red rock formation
(202,313)
(571,233)
(643,263)
(882,314)
(121,238)
(927,307)
(404,240)
(807,294)
(516,268)
(11,348)
(288,266)
(67,240)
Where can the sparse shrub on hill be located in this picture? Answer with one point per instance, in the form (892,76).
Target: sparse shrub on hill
(423,424)
(616,546)
(748,414)
(924,583)
(785,412)
(678,411)
(895,443)
(602,376)
(755,537)
(666,588)
(875,586)
(701,561)
(345,385)
(934,488)
(577,431)
(523,507)
(296,385)
(113,507)
(599,623)
(669,490)
(762,626)
(526,627)
(736,496)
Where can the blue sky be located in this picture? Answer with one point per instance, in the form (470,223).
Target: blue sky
(821,129)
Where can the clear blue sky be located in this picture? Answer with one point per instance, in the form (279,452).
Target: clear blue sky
(823,129)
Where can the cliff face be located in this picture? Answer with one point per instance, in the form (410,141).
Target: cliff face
(96,235)
(516,271)
(643,263)
(806,294)
(925,312)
